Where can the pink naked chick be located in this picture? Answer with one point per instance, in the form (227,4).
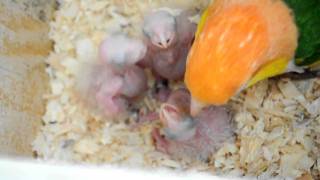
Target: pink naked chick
(115,92)
(116,81)
(191,137)
(169,39)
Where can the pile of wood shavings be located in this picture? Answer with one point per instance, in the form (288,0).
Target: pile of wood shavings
(278,130)
(278,123)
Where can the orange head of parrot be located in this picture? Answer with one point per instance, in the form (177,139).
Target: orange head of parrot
(236,39)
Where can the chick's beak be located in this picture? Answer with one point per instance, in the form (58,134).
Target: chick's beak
(165,43)
(169,115)
(177,126)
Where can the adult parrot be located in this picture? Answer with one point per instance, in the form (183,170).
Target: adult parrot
(241,42)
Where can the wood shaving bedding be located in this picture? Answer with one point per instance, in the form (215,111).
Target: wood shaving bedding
(278,122)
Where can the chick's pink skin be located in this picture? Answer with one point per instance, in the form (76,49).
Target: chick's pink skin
(168,59)
(115,89)
(111,105)
(160,28)
(117,80)
(105,86)
(208,131)
(134,82)
(119,49)
(176,107)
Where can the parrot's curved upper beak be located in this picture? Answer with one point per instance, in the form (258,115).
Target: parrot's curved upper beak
(165,42)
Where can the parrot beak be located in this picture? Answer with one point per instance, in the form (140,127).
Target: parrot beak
(164,43)
(177,126)
(169,115)
(196,107)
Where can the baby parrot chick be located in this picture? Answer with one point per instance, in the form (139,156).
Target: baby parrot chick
(169,39)
(114,83)
(194,137)
(111,91)
(107,88)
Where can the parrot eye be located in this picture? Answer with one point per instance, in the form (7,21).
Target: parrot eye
(160,43)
